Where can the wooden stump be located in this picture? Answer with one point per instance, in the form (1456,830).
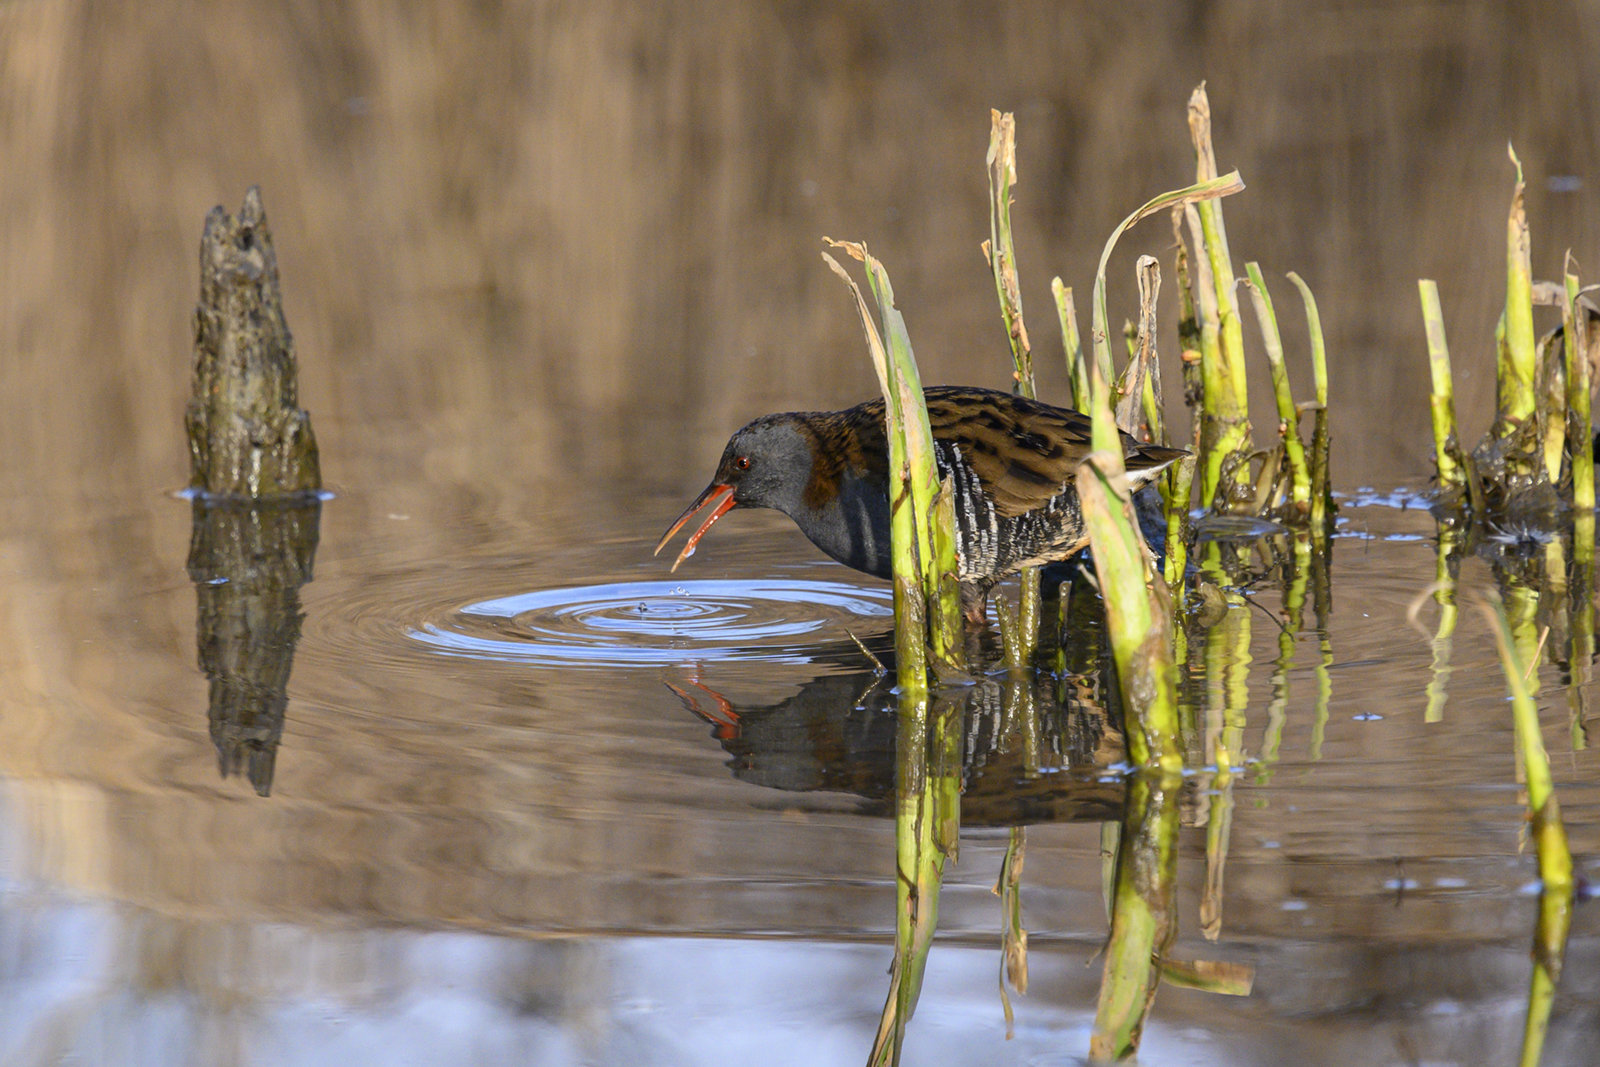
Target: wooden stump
(247,435)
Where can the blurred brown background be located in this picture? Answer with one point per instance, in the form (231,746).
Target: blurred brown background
(531,240)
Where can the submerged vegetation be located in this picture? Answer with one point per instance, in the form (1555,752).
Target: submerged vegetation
(1265,514)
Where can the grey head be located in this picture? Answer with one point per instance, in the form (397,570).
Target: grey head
(767,464)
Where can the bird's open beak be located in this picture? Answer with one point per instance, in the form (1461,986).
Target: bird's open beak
(721,499)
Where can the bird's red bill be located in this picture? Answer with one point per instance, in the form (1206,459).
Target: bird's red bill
(721,499)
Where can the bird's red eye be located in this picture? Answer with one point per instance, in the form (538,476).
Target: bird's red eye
(742,463)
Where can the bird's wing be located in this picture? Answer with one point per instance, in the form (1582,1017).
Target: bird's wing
(1023,452)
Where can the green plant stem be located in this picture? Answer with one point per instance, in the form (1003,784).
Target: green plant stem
(1143,918)
(1226,429)
(1441,401)
(1517,400)
(1002,253)
(1072,344)
(1013,935)
(922,537)
(1580,428)
(1189,334)
(924,799)
(1444,593)
(1322,507)
(1581,595)
(1288,416)
(1002,168)
(1555,858)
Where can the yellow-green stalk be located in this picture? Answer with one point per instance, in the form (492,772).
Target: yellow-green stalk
(1225,427)
(1444,593)
(1288,417)
(1580,430)
(1013,935)
(1000,250)
(926,592)
(1002,255)
(1138,611)
(1441,401)
(1139,388)
(1321,476)
(1294,603)
(1583,640)
(927,796)
(1189,332)
(1143,916)
(1550,838)
(1516,374)
(1077,366)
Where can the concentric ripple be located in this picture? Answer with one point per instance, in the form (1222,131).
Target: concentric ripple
(637,624)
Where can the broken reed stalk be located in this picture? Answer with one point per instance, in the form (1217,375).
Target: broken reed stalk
(927,799)
(1201,193)
(1444,594)
(927,602)
(1580,428)
(1517,401)
(1582,655)
(1225,422)
(1139,388)
(1321,467)
(1296,584)
(1143,917)
(1001,252)
(1288,416)
(1138,611)
(1072,343)
(1013,935)
(1190,342)
(1178,486)
(927,610)
(1138,605)
(1441,401)
(1555,858)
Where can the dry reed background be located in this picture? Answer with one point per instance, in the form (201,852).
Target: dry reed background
(544,238)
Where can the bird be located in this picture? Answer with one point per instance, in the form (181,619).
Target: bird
(1012,462)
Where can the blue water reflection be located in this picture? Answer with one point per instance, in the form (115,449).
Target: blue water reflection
(648,624)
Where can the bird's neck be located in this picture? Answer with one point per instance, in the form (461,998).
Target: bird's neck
(852,524)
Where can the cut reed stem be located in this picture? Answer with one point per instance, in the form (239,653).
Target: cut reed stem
(1580,428)
(1441,401)
(1517,401)
(1321,466)
(1072,344)
(926,590)
(1288,416)
(1002,253)
(1225,426)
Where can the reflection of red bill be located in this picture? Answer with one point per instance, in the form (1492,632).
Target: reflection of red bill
(721,499)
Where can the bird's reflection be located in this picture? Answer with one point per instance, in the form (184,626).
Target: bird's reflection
(1036,746)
